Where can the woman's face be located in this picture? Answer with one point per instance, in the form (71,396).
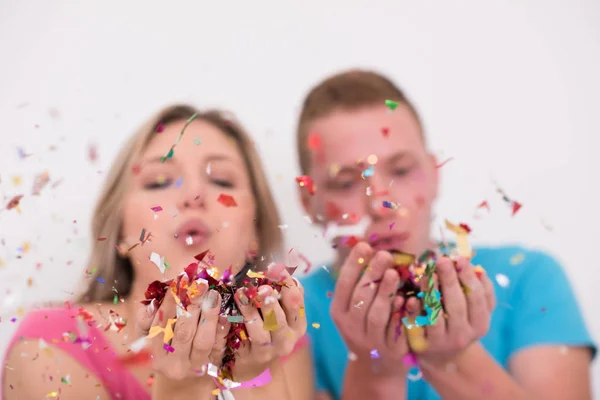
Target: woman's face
(194,188)
(403,173)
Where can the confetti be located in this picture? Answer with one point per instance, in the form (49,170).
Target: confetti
(375,354)
(368,172)
(515,206)
(462,243)
(502,280)
(484,204)
(168,348)
(197,141)
(157,209)
(391,104)
(517,259)
(306,182)
(385,132)
(92,152)
(159,261)
(440,165)
(171,151)
(39,183)
(316,325)
(313,141)
(160,127)
(270,321)
(167,330)
(14,202)
(227,200)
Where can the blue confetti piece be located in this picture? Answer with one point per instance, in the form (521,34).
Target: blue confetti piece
(387,204)
(101,280)
(422,320)
(368,172)
(179,182)
(375,354)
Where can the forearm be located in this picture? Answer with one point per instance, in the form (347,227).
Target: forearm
(475,375)
(200,388)
(361,382)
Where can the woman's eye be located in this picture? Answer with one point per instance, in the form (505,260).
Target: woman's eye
(158,184)
(223,183)
(401,171)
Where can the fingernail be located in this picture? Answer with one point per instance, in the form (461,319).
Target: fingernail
(151,308)
(243,299)
(263,290)
(211,299)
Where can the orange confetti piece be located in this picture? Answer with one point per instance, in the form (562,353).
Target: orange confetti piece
(14,202)
(227,200)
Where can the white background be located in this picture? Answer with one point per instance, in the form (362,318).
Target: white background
(510,89)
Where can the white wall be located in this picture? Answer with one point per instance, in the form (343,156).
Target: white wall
(510,89)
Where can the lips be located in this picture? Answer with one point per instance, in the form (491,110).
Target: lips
(192,232)
(393,241)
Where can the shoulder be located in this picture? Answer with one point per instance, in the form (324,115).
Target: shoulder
(34,369)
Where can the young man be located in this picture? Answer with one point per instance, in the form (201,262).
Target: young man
(369,159)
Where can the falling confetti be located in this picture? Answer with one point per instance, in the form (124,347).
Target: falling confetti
(391,104)
(502,280)
(197,141)
(385,132)
(14,202)
(159,261)
(39,183)
(227,200)
(514,205)
(368,172)
(316,325)
(92,153)
(171,151)
(517,259)
(484,204)
(440,165)
(157,209)
(306,182)
(313,141)
(462,243)
(160,127)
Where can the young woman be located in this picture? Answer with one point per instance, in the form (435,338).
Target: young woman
(369,159)
(185,183)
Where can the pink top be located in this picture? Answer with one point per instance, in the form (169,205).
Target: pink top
(97,354)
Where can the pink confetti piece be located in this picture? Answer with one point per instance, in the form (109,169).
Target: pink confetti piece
(157,208)
(168,348)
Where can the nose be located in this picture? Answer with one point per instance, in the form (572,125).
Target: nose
(377,204)
(192,196)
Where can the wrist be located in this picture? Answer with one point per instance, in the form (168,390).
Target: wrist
(367,379)
(199,387)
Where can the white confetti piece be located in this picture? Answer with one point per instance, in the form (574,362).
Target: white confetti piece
(158,261)
(502,280)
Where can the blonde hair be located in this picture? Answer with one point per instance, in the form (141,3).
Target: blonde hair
(115,269)
(348,91)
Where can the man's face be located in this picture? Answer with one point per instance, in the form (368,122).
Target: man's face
(365,158)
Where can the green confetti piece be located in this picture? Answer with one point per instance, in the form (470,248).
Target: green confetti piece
(167,266)
(391,104)
(235,318)
(65,380)
(172,150)
(115,299)
(197,141)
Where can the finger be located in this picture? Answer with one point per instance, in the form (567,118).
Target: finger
(166,311)
(454,298)
(185,329)
(349,275)
(379,313)
(216,354)
(435,332)
(252,319)
(477,307)
(273,316)
(415,334)
(144,318)
(204,338)
(367,286)
(292,303)
(490,294)
(394,330)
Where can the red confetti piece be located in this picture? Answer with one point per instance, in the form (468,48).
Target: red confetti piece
(160,127)
(92,153)
(332,211)
(484,204)
(306,182)
(227,200)
(516,206)
(306,261)
(352,241)
(444,162)
(143,357)
(314,141)
(385,131)
(14,202)
(201,256)
(101,239)
(465,227)
(157,208)
(136,169)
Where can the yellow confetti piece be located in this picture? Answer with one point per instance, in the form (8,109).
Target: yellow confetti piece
(252,274)
(51,395)
(517,259)
(270,321)
(302,312)
(361,260)
(243,336)
(403,258)
(1,263)
(462,242)
(466,290)
(216,392)
(316,325)
(168,330)
(16,180)
(416,338)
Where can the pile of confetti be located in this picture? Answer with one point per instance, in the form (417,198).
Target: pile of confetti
(226,286)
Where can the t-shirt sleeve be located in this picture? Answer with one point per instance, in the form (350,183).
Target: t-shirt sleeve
(545,310)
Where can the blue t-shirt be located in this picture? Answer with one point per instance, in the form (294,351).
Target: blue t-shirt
(536,307)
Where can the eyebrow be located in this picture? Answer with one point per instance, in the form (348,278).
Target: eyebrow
(209,158)
(355,168)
